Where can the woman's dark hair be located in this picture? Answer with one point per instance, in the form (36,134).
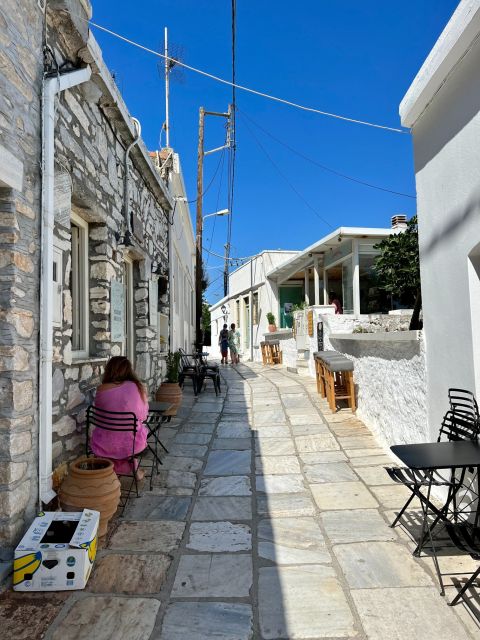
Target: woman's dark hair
(232,326)
(119,369)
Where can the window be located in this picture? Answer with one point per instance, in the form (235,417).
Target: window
(162,333)
(255,308)
(79,286)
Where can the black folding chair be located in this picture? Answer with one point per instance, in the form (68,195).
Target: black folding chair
(208,371)
(155,420)
(466,538)
(463,402)
(455,426)
(190,370)
(118,421)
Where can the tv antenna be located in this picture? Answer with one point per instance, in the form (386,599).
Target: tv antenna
(170,68)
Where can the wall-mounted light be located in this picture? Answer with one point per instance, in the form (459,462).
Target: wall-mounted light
(124,241)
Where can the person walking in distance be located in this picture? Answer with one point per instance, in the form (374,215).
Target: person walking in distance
(233,343)
(333,299)
(223,343)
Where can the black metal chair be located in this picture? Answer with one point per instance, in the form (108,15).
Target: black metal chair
(190,369)
(125,422)
(466,538)
(463,402)
(455,426)
(155,420)
(208,371)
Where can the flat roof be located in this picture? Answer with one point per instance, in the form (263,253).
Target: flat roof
(452,46)
(303,258)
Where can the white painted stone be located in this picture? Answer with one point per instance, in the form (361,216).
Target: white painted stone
(219,536)
(292,541)
(285,505)
(277,465)
(274,446)
(356,525)
(280,484)
(333,472)
(342,495)
(312,443)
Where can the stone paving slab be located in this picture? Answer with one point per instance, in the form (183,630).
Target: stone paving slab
(342,495)
(332,472)
(273,417)
(239,444)
(271,432)
(416,612)
(374,475)
(303,602)
(228,463)
(181,463)
(369,565)
(323,457)
(368,461)
(207,621)
(277,465)
(356,525)
(187,450)
(280,484)
(285,505)
(192,427)
(222,508)
(363,453)
(213,575)
(129,574)
(148,507)
(392,496)
(27,616)
(192,438)
(219,536)
(106,617)
(172,478)
(312,443)
(161,536)
(292,541)
(274,446)
(205,418)
(234,431)
(225,486)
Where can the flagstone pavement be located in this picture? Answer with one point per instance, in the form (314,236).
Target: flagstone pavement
(268,519)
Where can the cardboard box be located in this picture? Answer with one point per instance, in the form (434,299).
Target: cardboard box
(57,552)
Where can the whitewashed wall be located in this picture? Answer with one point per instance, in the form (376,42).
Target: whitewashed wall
(442,107)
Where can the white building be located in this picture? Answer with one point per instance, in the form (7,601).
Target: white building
(251,297)
(442,108)
(178,330)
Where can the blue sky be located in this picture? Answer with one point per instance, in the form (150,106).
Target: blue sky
(352,58)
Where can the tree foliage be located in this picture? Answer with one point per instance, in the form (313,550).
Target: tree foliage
(398,268)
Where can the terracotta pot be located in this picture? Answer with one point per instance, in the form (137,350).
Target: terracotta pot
(91,484)
(272,328)
(170,392)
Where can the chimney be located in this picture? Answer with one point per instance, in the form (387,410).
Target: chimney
(399,222)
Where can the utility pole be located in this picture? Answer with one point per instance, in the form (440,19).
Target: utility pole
(199,230)
(225,270)
(167,91)
(199,226)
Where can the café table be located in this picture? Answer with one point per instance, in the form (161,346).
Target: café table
(157,415)
(432,457)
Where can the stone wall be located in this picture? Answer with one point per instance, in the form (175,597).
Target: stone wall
(93,129)
(21,68)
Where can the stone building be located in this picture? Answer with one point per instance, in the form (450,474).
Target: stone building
(84,246)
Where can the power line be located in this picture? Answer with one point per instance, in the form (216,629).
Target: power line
(322,166)
(219,255)
(211,181)
(218,200)
(280,172)
(247,89)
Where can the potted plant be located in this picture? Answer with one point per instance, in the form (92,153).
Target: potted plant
(170,391)
(271,322)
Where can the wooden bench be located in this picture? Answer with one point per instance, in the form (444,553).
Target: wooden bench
(334,375)
(271,353)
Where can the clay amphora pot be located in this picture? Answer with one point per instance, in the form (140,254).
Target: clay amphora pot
(170,392)
(91,484)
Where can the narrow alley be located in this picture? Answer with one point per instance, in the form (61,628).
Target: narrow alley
(267,520)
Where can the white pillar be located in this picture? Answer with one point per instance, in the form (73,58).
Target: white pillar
(307,287)
(325,286)
(356,278)
(316,280)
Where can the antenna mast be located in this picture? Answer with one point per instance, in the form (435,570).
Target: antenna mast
(167,91)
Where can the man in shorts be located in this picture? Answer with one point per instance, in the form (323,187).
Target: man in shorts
(223,343)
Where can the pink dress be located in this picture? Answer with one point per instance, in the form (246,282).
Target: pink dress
(118,446)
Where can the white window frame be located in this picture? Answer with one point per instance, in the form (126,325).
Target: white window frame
(80,306)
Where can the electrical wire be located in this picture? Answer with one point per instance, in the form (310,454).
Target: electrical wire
(217,203)
(247,89)
(322,166)
(211,181)
(219,255)
(280,172)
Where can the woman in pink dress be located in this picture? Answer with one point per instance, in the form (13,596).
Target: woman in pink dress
(121,390)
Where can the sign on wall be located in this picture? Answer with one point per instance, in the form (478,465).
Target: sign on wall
(152,302)
(310,323)
(117,311)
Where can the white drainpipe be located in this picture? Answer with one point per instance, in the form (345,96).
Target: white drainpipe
(51,87)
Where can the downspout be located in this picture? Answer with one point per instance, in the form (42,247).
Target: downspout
(126,184)
(251,310)
(51,87)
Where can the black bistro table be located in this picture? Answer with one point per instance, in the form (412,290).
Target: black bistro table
(156,417)
(436,456)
